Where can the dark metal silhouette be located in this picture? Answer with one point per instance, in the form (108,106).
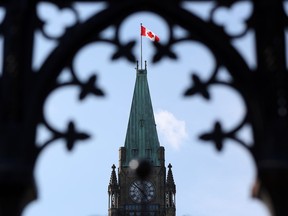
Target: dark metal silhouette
(23,90)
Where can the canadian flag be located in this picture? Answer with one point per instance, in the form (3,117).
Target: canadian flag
(147,33)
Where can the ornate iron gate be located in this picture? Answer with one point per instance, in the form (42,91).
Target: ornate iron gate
(23,92)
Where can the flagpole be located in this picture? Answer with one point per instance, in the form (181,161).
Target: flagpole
(141,46)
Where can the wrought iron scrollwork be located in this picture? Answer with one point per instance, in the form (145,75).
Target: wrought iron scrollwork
(263,88)
(72,135)
(201,87)
(218,135)
(231,7)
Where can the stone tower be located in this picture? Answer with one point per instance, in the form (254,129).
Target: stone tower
(142,187)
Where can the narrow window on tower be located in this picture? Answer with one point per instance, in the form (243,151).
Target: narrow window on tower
(135,152)
(167,199)
(113,198)
(148,153)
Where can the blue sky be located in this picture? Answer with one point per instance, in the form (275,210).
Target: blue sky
(208,183)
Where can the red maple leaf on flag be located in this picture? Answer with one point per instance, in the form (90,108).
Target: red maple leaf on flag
(150,34)
(147,33)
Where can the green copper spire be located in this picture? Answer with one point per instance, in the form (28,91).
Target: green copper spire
(141,138)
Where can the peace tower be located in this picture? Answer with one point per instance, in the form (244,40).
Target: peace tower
(142,187)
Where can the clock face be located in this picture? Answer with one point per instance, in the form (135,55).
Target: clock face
(142,191)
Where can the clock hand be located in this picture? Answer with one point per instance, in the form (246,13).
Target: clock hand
(140,189)
(137,186)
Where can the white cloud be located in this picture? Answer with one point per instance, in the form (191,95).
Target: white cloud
(170,128)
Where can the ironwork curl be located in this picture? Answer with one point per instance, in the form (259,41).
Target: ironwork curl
(42,23)
(72,135)
(217,135)
(228,5)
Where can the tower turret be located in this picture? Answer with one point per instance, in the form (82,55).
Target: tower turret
(113,193)
(170,193)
